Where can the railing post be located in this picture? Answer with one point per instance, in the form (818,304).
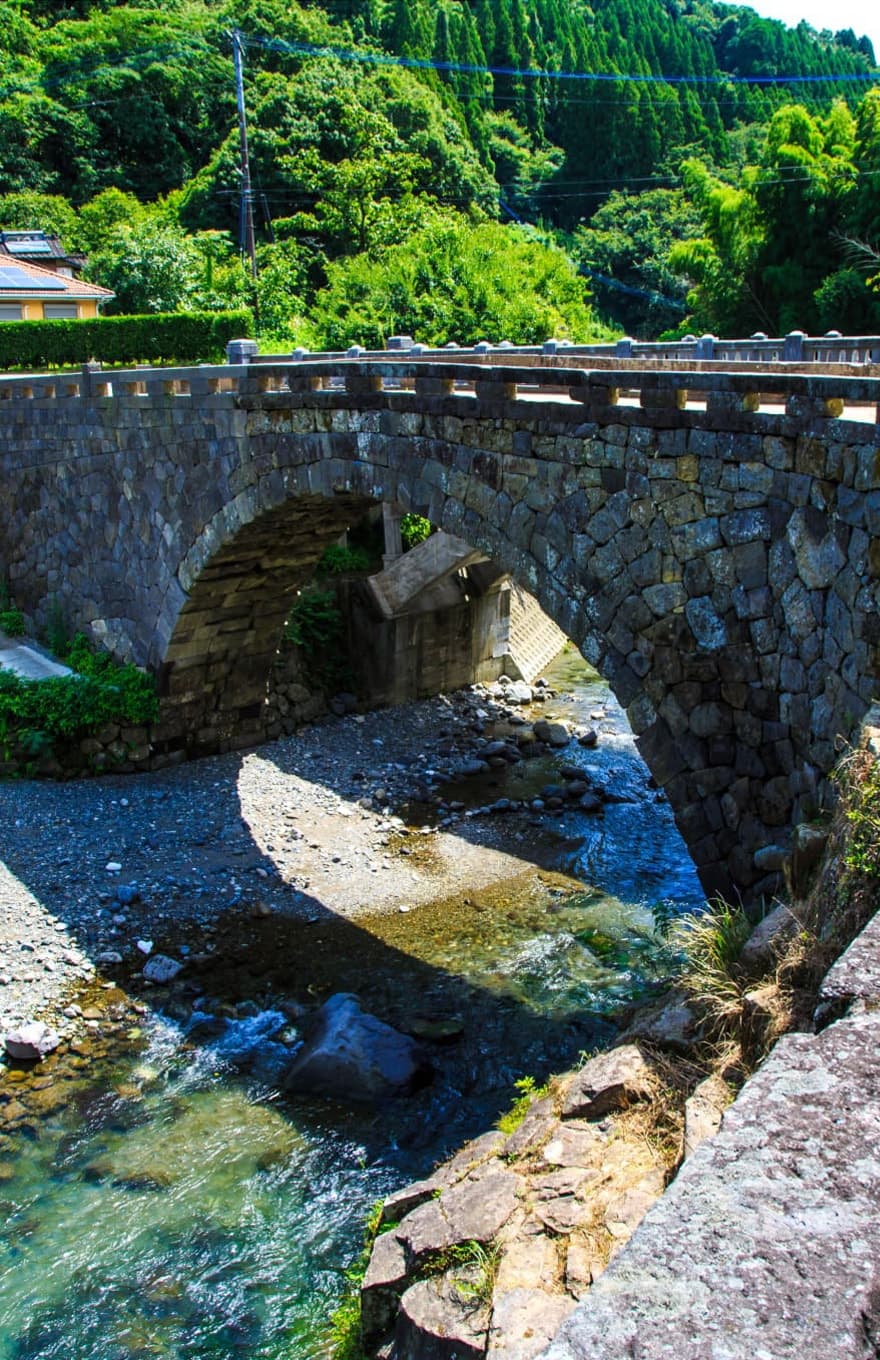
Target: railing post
(241,351)
(624,347)
(706,347)
(793,347)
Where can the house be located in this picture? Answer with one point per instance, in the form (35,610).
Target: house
(39,247)
(31,292)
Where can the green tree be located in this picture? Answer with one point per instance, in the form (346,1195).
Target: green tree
(629,241)
(455,281)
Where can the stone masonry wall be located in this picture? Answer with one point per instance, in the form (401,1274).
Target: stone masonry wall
(723,580)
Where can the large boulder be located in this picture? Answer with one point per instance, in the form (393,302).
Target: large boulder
(31,1042)
(354,1057)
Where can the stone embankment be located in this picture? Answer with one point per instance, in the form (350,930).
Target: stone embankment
(764,1245)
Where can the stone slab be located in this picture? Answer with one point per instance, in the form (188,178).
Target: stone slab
(27,662)
(856,974)
(765,1246)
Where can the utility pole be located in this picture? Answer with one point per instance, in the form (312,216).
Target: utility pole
(246,217)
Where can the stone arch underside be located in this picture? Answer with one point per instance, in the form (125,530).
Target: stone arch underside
(726,618)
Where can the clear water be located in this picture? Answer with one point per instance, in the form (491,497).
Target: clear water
(175,1205)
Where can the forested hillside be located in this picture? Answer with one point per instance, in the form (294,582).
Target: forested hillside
(457,169)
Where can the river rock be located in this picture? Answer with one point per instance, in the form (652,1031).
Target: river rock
(610,1081)
(519,693)
(474,1210)
(161,969)
(353,1056)
(554,734)
(762,948)
(438,1322)
(31,1042)
(669,1023)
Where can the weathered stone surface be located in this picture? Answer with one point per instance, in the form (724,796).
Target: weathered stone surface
(610,1081)
(437,1322)
(382,1285)
(703,1112)
(473,1210)
(353,1056)
(765,1244)
(856,974)
(524,1321)
(668,1024)
(398,1205)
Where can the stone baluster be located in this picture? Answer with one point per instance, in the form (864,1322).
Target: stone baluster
(429,386)
(494,389)
(360,384)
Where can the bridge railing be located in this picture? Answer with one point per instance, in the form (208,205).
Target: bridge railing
(796,347)
(725,395)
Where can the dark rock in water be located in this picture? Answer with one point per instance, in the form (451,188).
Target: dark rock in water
(352,1056)
(127,893)
(589,738)
(30,1042)
(161,969)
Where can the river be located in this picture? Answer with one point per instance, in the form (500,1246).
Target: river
(166,1200)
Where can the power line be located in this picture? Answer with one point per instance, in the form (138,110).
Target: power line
(539,73)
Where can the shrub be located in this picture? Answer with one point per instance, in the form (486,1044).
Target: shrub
(414,529)
(12,622)
(177,337)
(315,621)
(337,561)
(37,714)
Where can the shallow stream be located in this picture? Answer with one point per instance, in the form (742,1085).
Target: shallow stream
(164,1200)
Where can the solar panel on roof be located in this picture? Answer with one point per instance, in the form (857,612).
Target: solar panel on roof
(31,247)
(13,277)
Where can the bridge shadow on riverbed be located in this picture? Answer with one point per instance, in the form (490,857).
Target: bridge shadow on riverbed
(498,982)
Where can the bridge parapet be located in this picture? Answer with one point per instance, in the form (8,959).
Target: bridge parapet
(720,398)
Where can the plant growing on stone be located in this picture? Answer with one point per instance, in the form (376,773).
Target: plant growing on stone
(476,1270)
(315,621)
(710,942)
(339,561)
(12,622)
(414,529)
(529,1091)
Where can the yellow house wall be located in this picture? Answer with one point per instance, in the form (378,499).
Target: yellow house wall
(33,310)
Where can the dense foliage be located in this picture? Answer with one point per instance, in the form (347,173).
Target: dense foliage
(707,198)
(36,716)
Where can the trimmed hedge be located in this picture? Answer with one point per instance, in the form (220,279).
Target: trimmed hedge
(173,337)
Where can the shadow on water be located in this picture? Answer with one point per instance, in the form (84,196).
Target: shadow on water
(173,1203)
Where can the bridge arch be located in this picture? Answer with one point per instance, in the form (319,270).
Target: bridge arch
(720,568)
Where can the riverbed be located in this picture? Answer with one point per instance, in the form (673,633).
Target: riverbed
(161,1196)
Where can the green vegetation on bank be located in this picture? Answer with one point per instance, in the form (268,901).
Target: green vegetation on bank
(391,198)
(39,716)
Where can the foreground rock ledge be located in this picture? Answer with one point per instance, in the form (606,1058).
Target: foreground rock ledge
(766,1244)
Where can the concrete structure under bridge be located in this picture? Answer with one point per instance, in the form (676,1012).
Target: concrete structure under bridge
(708,533)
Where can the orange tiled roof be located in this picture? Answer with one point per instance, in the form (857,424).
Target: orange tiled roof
(45,283)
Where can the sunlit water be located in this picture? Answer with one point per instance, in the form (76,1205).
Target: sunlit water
(177,1206)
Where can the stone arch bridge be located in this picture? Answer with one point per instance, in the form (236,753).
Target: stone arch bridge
(708,535)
